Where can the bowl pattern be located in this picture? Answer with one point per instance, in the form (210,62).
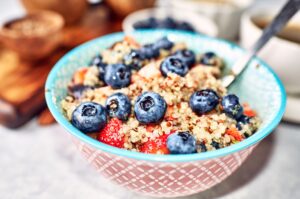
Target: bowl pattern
(172,175)
(162,179)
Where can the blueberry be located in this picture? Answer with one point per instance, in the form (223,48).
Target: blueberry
(208,58)
(181,143)
(89,117)
(167,23)
(231,106)
(204,101)
(118,105)
(77,90)
(149,51)
(134,60)
(203,147)
(98,61)
(215,144)
(186,56)
(117,75)
(146,24)
(242,121)
(150,107)
(185,26)
(173,65)
(164,43)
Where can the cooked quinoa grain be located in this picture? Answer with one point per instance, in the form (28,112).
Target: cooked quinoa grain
(212,131)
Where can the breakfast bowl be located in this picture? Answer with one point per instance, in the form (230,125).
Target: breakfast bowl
(171,175)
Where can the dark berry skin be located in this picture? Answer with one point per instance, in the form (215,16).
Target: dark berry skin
(134,60)
(89,117)
(145,24)
(118,105)
(98,61)
(167,23)
(242,121)
(149,51)
(150,108)
(231,106)
(163,43)
(173,65)
(185,26)
(186,56)
(203,147)
(204,101)
(77,90)
(207,59)
(117,75)
(181,143)
(215,144)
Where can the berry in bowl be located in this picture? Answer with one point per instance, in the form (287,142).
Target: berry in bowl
(149,111)
(172,19)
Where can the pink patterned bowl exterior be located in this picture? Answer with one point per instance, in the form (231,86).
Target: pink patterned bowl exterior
(159,178)
(172,175)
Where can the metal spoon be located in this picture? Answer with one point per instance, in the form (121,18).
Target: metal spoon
(288,10)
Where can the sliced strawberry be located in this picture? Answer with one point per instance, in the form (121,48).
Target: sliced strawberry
(132,41)
(235,134)
(78,77)
(150,128)
(248,111)
(110,134)
(157,146)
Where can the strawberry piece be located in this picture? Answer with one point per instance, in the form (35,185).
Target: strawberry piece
(157,146)
(110,134)
(78,77)
(248,111)
(150,128)
(131,41)
(235,134)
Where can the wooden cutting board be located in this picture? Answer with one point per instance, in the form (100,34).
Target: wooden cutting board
(22,83)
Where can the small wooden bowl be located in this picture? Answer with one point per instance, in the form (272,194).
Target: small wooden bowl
(71,10)
(125,7)
(33,36)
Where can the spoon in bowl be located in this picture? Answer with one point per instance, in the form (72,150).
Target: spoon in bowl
(285,14)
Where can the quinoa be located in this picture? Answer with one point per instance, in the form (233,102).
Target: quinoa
(211,130)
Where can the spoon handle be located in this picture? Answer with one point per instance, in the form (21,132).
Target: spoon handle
(289,9)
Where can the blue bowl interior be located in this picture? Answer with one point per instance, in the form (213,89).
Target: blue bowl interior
(258,85)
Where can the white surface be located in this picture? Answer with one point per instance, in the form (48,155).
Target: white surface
(43,163)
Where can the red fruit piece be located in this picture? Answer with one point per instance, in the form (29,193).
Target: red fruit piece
(234,133)
(110,134)
(248,111)
(157,146)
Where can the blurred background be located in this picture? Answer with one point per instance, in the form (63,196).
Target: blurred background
(36,159)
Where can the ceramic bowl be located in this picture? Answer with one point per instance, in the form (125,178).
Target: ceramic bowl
(225,13)
(281,54)
(201,23)
(29,44)
(171,175)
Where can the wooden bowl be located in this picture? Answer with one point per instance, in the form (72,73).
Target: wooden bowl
(33,36)
(125,7)
(71,10)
